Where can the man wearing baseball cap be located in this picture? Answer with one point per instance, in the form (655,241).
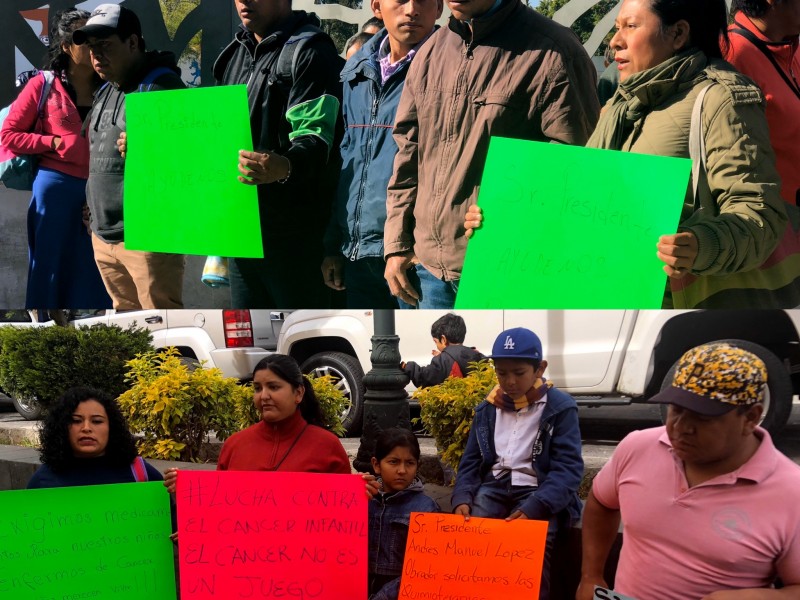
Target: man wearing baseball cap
(709,506)
(133,279)
(523,456)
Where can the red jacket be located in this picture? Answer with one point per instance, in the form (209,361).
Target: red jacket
(783,106)
(268,447)
(61,118)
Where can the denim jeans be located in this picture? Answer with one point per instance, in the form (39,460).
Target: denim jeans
(433,292)
(497,498)
(365,284)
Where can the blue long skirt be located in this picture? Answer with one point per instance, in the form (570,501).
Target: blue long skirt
(61,268)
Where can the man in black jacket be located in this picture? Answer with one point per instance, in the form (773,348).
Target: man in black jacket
(450,359)
(133,279)
(295,117)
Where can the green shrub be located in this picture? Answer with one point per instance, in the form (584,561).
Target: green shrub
(447,409)
(175,407)
(332,401)
(43,362)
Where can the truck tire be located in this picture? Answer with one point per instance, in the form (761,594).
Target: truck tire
(349,377)
(29,408)
(778,396)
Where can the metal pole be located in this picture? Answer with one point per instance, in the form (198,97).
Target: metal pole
(385,399)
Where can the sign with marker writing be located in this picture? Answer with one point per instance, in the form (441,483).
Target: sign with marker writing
(571,227)
(480,559)
(272,535)
(604,594)
(84,542)
(182,194)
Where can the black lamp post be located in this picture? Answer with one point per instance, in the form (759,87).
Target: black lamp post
(385,400)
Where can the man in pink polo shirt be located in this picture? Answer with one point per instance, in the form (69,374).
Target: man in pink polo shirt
(709,506)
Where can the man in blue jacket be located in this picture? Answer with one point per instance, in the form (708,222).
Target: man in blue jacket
(523,457)
(373,80)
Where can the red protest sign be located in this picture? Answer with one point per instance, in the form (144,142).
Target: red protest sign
(480,559)
(271,535)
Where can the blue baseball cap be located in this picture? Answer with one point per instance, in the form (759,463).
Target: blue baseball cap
(517,343)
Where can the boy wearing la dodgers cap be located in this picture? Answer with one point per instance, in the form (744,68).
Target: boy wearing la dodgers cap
(523,455)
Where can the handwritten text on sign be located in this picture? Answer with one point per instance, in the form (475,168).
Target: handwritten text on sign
(98,541)
(182,192)
(561,221)
(480,559)
(272,535)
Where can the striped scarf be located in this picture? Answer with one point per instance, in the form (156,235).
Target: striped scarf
(501,400)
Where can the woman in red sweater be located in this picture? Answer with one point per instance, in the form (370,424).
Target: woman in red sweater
(290,436)
(61,268)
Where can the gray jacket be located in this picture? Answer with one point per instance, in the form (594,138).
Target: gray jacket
(104,124)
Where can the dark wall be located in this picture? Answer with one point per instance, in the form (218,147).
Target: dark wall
(216,19)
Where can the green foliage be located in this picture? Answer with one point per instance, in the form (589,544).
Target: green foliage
(447,409)
(585,24)
(332,401)
(43,362)
(175,11)
(175,407)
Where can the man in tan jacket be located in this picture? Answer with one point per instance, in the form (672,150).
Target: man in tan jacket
(498,69)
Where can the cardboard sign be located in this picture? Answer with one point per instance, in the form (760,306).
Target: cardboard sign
(571,227)
(272,535)
(604,594)
(182,194)
(94,541)
(479,559)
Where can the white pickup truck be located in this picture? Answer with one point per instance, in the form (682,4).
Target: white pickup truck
(600,357)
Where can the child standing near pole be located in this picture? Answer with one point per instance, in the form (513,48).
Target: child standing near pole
(395,464)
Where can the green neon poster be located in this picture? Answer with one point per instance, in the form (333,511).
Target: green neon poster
(571,227)
(87,542)
(182,194)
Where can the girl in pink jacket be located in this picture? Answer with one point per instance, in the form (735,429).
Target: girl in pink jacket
(61,268)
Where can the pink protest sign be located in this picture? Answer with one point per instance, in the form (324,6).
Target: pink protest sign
(271,535)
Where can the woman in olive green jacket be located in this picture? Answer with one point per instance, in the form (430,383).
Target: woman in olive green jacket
(667,52)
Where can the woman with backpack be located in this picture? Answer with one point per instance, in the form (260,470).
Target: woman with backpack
(62,272)
(85,440)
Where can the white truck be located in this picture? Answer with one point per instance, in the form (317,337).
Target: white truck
(600,357)
(611,357)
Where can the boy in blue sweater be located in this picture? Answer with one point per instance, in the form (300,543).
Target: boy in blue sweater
(523,456)
(373,80)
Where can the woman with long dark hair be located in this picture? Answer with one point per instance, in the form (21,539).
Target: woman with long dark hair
(62,272)
(290,435)
(85,440)
(669,57)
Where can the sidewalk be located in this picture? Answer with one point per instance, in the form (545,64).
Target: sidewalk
(19,458)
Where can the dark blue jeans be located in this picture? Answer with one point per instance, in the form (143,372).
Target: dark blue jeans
(433,292)
(497,498)
(365,284)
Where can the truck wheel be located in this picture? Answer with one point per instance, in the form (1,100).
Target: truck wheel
(29,408)
(777,397)
(348,377)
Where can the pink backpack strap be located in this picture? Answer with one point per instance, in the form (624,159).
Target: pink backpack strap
(139,470)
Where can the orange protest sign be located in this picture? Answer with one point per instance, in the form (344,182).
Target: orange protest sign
(271,535)
(448,558)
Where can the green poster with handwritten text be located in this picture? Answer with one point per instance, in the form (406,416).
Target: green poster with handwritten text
(92,542)
(571,227)
(182,194)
